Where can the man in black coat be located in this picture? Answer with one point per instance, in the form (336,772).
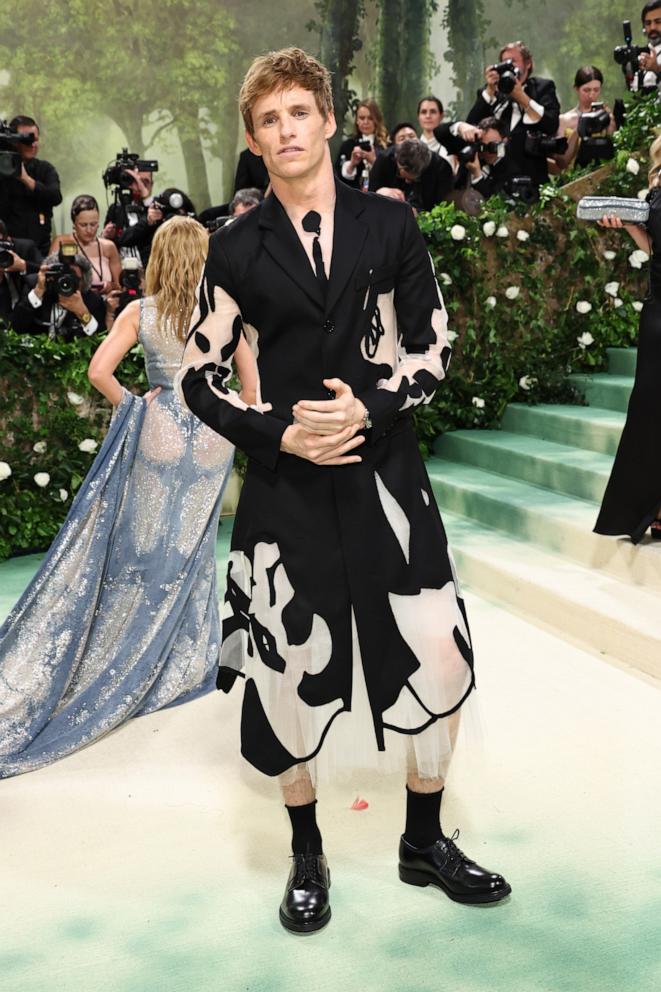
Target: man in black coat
(19,258)
(530,112)
(27,200)
(421,176)
(490,169)
(341,605)
(41,311)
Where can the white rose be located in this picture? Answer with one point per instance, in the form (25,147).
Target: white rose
(617,302)
(457,232)
(522,235)
(502,232)
(609,255)
(64,495)
(642,194)
(583,306)
(5,471)
(39,447)
(89,445)
(491,301)
(42,479)
(637,258)
(478,402)
(512,292)
(527,382)
(637,305)
(74,399)
(445,279)
(633,166)
(489,228)
(585,340)
(612,288)
(452,336)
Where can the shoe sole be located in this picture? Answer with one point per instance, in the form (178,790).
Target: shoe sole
(412,877)
(311,927)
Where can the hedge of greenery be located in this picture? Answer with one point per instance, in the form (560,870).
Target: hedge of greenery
(531,298)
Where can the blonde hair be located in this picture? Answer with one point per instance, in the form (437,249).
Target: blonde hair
(654,174)
(178,253)
(380,130)
(282,71)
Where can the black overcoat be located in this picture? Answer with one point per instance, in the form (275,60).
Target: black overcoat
(330,562)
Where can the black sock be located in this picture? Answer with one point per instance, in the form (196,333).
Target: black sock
(306,838)
(423,818)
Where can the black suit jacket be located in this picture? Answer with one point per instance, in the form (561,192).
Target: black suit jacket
(12,284)
(250,172)
(29,214)
(543,92)
(434,186)
(27,319)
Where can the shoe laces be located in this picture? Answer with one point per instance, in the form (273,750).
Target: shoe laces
(307,867)
(454,854)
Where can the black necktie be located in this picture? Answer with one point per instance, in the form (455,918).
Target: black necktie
(312,224)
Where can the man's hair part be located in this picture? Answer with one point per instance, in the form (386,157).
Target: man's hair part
(283,70)
(413,156)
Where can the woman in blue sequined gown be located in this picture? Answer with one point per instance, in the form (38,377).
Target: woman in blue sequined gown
(122,617)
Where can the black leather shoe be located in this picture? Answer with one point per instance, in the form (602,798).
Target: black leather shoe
(305,906)
(445,866)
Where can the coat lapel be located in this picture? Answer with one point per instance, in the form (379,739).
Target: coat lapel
(349,234)
(284,246)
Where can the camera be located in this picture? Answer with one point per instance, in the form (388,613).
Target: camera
(216,223)
(168,205)
(10,157)
(365,146)
(508,76)
(115,173)
(60,279)
(130,281)
(627,54)
(596,120)
(521,190)
(469,152)
(542,146)
(6,254)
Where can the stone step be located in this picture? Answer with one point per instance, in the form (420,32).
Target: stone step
(604,390)
(622,361)
(578,426)
(559,467)
(619,621)
(561,524)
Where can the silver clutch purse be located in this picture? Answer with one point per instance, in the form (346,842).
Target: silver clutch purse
(628,209)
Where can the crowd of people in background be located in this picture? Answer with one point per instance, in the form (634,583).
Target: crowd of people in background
(512,139)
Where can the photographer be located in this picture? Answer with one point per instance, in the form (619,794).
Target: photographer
(27,199)
(528,107)
(643,76)
(410,171)
(170,203)
(18,258)
(61,303)
(127,214)
(358,153)
(588,126)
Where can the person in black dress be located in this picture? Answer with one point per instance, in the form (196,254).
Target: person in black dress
(632,501)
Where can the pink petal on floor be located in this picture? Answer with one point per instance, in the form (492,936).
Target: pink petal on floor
(359,804)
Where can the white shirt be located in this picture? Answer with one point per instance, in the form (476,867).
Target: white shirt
(516,109)
(57,315)
(348,170)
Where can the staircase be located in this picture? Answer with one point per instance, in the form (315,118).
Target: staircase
(519,506)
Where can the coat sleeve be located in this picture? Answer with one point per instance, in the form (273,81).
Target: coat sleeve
(203,380)
(47,191)
(423,344)
(545,95)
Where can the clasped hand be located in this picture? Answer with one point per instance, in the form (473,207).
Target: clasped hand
(324,431)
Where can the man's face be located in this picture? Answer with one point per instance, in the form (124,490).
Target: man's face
(29,151)
(488,136)
(243,208)
(429,115)
(652,25)
(291,134)
(147,180)
(404,134)
(519,62)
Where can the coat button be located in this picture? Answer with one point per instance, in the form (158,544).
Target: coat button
(329,326)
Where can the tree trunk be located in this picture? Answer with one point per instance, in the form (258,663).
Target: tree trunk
(339,42)
(415,58)
(462,22)
(196,167)
(390,59)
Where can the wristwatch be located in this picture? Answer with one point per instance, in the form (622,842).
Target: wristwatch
(85,318)
(366,422)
